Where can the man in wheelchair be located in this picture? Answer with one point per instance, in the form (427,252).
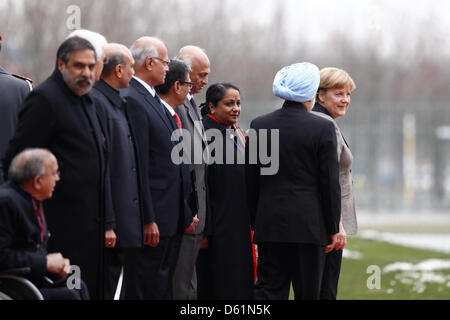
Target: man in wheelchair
(23,231)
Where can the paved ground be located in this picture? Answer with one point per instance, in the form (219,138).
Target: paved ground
(404,222)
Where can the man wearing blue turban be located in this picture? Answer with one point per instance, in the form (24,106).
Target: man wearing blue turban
(295,212)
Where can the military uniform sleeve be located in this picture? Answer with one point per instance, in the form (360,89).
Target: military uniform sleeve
(34,128)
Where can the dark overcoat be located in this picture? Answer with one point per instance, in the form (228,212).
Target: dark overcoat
(225,268)
(53,117)
(128,219)
(301,203)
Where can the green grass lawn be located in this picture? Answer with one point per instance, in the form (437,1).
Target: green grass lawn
(396,284)
(399,285)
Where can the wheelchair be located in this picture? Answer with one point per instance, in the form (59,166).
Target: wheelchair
(13,285)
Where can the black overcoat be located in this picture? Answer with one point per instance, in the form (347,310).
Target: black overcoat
(301,203)
(225,268)
(53,117)
(128,218)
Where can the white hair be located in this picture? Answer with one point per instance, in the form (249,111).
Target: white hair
(187,57)
(96,39)
(140,53)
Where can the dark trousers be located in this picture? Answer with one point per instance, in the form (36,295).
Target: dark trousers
(113,261)
(148,271)
(59,291)
(331,272)
(279,264)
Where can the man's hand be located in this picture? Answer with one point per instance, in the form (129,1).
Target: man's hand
(58,265)
(151,234)
(193,225)
(110,238)
(333,241)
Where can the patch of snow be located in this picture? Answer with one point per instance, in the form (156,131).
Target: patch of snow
(349,254)
(435,242)
(426,265)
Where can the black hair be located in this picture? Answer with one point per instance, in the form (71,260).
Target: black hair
(71,45)
(214,94)
(178,71)
(109,63)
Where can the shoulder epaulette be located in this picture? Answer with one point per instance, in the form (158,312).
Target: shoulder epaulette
(21,77)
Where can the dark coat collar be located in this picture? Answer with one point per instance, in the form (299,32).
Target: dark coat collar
(110,93)
(58,78)
(210,123)
(294,105)
(19,190)
(320,108)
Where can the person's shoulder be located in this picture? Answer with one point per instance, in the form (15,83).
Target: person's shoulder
(263,119)
(16,80)
(6,193)
(130,91)
(96,94)
(320,119)
(23,78)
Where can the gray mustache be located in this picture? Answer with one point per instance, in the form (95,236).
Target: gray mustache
(81,79)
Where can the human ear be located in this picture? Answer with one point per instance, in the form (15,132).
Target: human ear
(118,70)
(211,108)
(61,65)
(37,182)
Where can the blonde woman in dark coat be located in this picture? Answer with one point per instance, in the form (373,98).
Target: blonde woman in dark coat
(332,102)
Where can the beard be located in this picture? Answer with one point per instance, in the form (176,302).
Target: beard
(79,86)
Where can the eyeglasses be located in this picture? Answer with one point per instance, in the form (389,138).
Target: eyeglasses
(164,62)
(56,174)
(191,84)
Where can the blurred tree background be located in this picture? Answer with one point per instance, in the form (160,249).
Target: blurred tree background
(396,51)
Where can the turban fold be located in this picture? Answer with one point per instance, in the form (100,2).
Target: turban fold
(298,82)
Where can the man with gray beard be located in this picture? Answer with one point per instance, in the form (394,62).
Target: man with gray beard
(59,115)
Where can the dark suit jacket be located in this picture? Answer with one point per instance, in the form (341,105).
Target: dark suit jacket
(167,184)
(302,202)
(128,218)
(13,92)
(55,118)
(197,166)
(19,233)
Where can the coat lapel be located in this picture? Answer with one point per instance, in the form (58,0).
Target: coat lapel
(152,101)
(198,125)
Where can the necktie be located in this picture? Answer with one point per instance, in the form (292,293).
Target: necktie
(41,221)
(194,106)
(177,119)
(160,102)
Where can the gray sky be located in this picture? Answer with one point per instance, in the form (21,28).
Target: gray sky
(362,20)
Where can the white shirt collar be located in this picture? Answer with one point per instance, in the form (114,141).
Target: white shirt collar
(168,107)
(146,86)
(189,96)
